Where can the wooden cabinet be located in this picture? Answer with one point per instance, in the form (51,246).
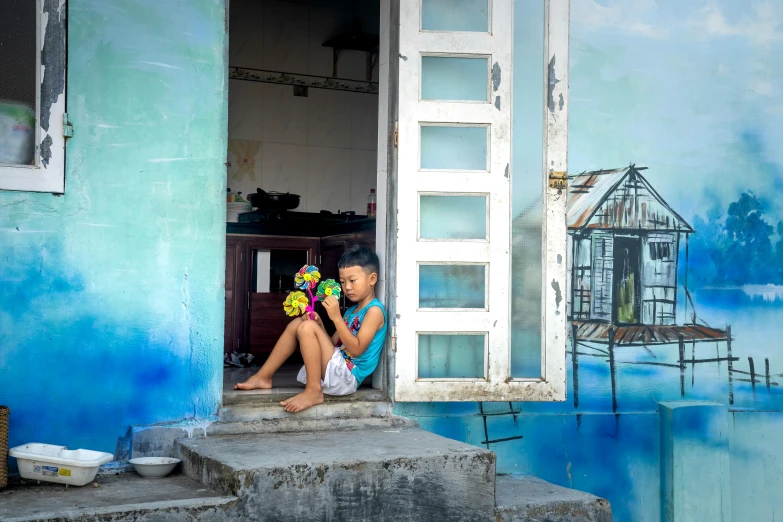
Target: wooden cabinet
(233,332)
(273,263)
(259,275)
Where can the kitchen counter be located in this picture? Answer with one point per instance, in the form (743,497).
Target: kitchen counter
(302,224)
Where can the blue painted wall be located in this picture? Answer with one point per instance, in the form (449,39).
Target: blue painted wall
(690,90)
(112,294)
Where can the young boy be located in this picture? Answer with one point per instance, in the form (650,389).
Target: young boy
(338,365)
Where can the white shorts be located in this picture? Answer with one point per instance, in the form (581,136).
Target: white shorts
(338,379)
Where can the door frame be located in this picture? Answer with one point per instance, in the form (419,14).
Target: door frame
(385,188)
(386,221)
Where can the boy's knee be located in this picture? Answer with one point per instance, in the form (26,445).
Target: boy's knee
(294,324)
(307,327)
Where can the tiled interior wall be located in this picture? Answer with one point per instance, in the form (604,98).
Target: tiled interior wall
(323,146)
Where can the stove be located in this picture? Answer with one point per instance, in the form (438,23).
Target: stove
(324,217)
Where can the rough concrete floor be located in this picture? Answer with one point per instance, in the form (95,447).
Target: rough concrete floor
(522,498)
(125,492)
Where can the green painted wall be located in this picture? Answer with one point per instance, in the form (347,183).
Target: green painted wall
(112,295)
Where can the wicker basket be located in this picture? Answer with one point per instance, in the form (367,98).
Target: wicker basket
(4,411)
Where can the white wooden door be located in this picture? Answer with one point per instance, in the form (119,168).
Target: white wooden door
(453,194)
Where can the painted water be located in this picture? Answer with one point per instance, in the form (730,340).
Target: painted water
(647,375)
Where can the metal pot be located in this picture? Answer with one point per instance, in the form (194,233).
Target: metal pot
(273,200)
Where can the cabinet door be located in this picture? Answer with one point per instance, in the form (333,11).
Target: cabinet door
(233,334)
(273,262)
(331,250)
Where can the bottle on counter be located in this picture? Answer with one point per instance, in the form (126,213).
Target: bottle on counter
(371,204)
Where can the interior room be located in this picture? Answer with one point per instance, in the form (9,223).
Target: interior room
(302,155)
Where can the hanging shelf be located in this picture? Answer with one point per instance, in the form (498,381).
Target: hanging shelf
(355,40)
(302,80)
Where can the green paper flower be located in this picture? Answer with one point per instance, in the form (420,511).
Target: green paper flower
(327,288)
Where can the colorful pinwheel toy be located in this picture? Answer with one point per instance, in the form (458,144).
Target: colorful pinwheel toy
(307,279)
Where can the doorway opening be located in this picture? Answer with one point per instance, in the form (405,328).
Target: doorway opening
(627,278)
(302,169)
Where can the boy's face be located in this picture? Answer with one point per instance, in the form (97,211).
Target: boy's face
(357,284)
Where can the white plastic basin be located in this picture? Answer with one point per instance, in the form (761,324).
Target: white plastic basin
(51,463)
(154,467)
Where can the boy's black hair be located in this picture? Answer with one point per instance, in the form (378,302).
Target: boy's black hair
(361,256)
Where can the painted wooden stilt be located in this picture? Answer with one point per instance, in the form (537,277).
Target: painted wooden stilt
(681,343)
(575,363)
(766,371)
(612,369)
(728,360)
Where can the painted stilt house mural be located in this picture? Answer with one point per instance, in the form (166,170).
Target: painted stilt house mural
(625,244)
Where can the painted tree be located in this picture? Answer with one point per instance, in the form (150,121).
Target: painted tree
(738,248)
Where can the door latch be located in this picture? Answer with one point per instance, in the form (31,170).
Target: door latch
(558,180)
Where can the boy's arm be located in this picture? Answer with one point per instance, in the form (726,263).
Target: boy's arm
(357,345)
(354,345)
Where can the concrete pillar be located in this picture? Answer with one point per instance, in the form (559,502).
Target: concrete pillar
(695,476)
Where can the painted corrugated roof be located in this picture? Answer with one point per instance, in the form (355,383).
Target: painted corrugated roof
(619,199)
(587,191)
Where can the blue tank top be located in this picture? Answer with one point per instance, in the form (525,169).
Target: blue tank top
(365,364)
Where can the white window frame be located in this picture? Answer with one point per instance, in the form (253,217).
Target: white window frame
(48,173)
(412,181)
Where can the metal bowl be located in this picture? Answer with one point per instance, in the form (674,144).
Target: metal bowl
(154,467)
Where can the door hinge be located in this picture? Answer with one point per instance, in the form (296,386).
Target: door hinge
(67,126)
(247,300)
(396,134)
(394,338)
(558,180)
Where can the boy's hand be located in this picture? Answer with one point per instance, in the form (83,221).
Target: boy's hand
(332,307)
(316,318)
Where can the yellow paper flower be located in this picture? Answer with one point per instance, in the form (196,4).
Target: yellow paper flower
(295,304)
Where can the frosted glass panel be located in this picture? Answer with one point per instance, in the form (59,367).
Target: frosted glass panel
(455,15)
(526,206)
(452,286)
(461,79)
(453,217)
(451,356)
(454,148)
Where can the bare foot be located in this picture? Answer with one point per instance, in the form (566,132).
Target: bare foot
(302,401)
(256,382)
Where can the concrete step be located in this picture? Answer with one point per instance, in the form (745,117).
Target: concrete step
(273,426)
(275,395)
(521,498)
(244,412)
(269,417)
(402,474)
(126,497)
